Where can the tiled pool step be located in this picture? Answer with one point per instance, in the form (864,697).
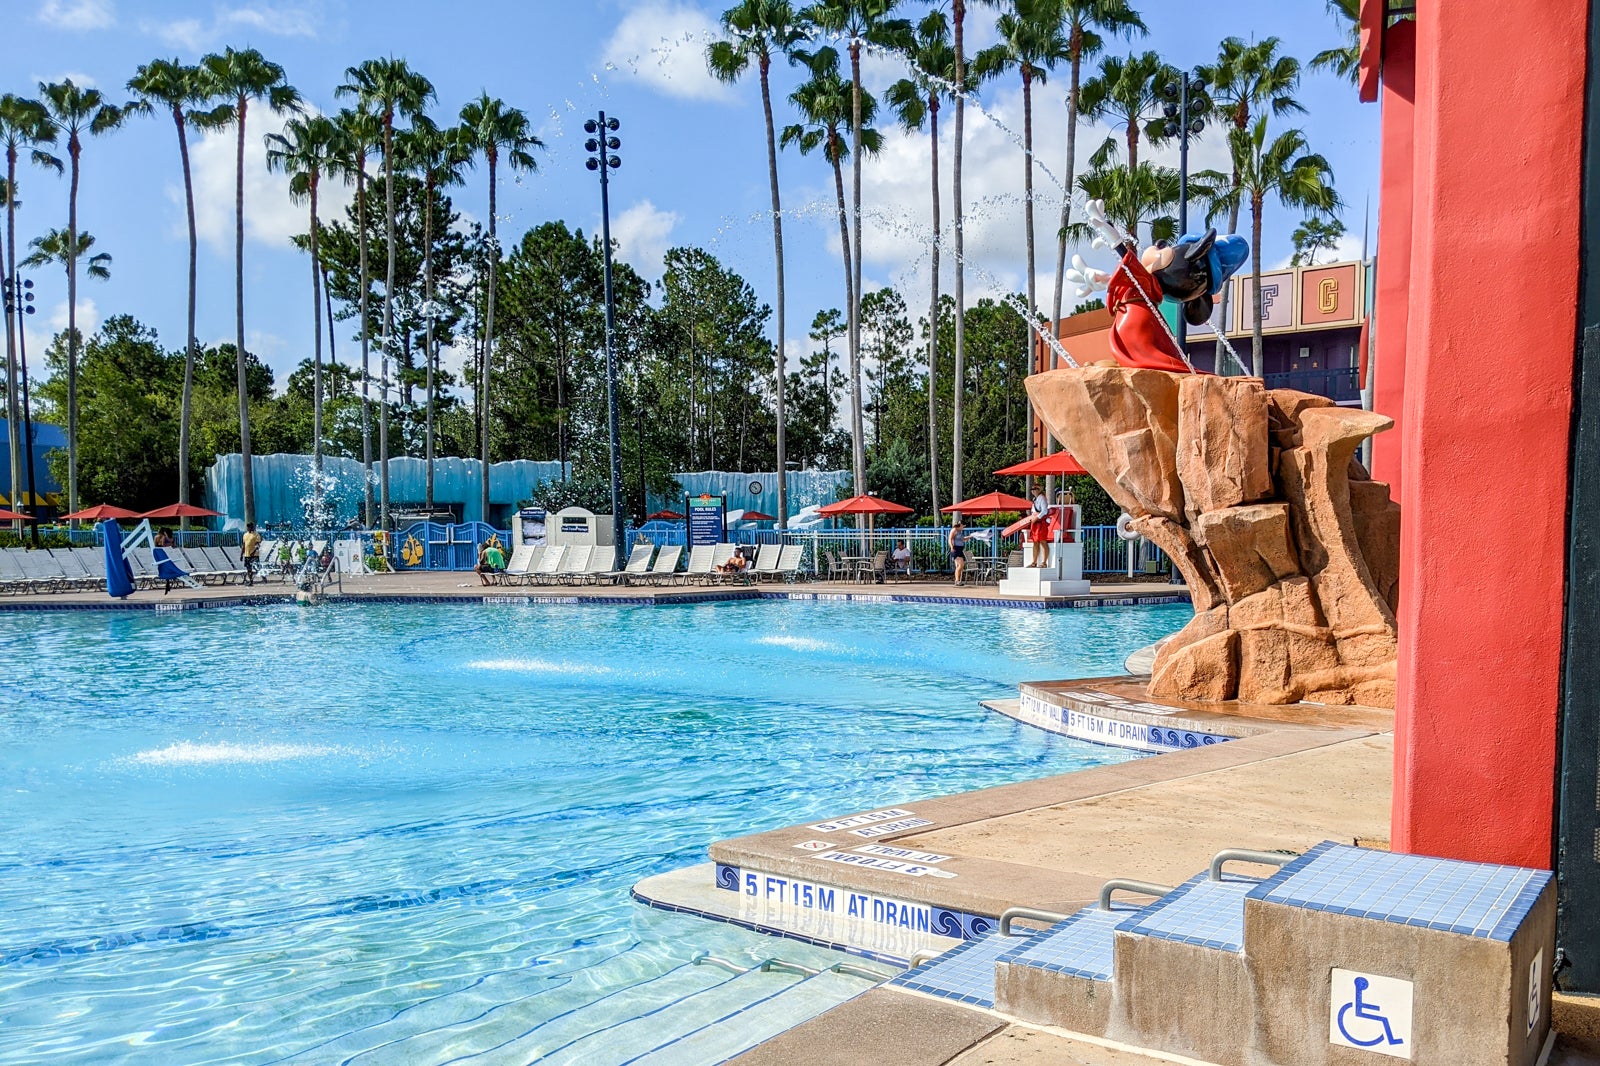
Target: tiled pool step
(1470,943)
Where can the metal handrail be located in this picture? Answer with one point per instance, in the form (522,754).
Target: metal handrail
(721,963)
(926,955)
(852,970)
(1265,858)
(780,966)
(1119,884)
(1030,913)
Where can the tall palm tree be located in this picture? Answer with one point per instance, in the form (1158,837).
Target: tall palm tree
(826,108)
(757,32)
(916,101)
(76,111)
(59,247)
(1127,92)
(1031,43)
(359,134)
(1146,195)
(498,131)
(438,156)
(1344,61)
(304,150)
(178,90)
(24,126)
(1246,79)
(863,22)
(1084,22)
(1283,168)
(238,78)
(387,87)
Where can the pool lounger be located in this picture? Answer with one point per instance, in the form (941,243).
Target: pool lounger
(665,569)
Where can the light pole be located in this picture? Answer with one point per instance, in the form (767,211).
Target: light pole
(601,144)
(1185,114)
(18,296)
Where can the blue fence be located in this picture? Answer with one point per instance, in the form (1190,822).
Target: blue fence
(1339,384)
(437,546)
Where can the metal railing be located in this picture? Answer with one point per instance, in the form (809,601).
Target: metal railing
(1339,384)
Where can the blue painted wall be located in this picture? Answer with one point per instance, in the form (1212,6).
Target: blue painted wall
(46,438)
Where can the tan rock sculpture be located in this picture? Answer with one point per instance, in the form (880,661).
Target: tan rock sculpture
(1290,550)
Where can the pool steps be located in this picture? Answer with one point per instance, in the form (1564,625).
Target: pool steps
(1235,970)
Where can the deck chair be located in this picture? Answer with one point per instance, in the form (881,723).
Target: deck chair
(576,565)
(789,559)
(549,565)
(12,579)
(267,560)
(517,567)
(701,559)
(876,570)
(638,563)
(766,566)
(665,568)
(194,562)
(222,565)
(76,574)
(44,571)
(600,564)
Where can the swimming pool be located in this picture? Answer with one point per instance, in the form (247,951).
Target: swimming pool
(407,833)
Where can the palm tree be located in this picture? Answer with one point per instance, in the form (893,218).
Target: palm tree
(1144,195)
(438,156)
(59,247)
(1127,91)
(1283,168)
(305,151)
(1313,237)
(826,108)
(238,78)
(1345,60)
(1031,42)
(387,87)
(1084,21)
(178,90)
(1247,79)
(916,102)
(24,126)
(359,134)
(490,127)
(759,30)
(862,22)
(76,111)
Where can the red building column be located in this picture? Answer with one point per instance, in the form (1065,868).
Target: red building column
(1489,360)
(1392,298)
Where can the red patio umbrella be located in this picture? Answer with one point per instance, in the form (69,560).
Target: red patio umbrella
(865,505)
(667,516)
(180,510)
(757,516)
(1060,464)
(99,513)
(990,503)
(12,516)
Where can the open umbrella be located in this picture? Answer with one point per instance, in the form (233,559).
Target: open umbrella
(99,513)
(12,516)
(757,516)
(990,503)
(181,510)
(1059,464)
(865,505)
(664,516)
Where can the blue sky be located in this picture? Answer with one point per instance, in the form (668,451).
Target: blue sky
(694,163)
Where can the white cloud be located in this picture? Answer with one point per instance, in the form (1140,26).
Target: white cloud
(643,234)
(78,14)
(270,216)
(196,34)
(664,45)
(78,78)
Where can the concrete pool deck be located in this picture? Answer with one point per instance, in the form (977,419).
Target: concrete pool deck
(463,586)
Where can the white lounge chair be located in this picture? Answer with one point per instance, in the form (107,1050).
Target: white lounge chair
(549,565)
(766,562)
(665,568)
(637,566)
(576,566)
(517,568)
(789,561)
(701,559)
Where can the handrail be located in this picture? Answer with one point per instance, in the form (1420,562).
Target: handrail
(780,966)
(1120,884)
(852,970)
(926,955)
(1030,913)
(1265,858)
(707,959)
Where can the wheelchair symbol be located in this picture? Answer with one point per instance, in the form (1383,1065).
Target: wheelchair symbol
(1366,1011)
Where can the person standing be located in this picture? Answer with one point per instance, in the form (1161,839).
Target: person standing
(957,540)
(1039,531)
(250,550)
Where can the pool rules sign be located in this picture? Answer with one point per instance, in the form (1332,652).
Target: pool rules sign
(1370,1012)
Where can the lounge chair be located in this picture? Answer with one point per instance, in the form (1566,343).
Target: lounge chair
(267,560)
(576,566)
(600,564)
(44,571)
(75,575)
(766,567)
(664,570)
(93,560)
(517,568)
(12,579)
(789,559)
(701,559)
(222,565)
(549,565)
(637,566)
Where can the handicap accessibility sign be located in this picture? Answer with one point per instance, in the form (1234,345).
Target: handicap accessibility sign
(1371,1012)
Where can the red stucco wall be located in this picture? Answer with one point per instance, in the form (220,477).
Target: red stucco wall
(1392,298)
(1489,359)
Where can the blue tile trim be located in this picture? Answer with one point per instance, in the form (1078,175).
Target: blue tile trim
(860,953)
(1202,912)
(1081,946)
(964,974)
(1470,899)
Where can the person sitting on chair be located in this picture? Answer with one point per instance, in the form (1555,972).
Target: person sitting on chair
(902,557)
(737,563)
(491,560)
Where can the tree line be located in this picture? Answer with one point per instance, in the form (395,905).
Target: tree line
(705,386)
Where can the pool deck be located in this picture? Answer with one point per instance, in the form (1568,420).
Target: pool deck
(454,586)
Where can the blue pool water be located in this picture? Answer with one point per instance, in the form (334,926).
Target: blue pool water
(407,833)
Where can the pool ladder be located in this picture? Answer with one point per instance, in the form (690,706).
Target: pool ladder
(784,966)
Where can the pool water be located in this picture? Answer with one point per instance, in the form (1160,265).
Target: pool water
(407,833)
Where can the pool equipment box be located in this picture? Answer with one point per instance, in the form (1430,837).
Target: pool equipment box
(578,526)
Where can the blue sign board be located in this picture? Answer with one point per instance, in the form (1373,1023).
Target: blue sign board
(707,519)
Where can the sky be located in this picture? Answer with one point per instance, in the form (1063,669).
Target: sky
(694,167)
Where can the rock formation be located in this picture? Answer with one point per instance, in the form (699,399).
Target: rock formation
(1290,550)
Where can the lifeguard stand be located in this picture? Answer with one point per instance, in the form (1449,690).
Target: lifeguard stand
(1063,574)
